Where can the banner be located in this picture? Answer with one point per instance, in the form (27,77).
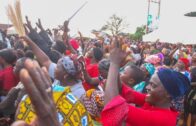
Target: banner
(153,16)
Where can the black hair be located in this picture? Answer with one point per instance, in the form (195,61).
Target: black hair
(20,53)
(104,64)
(189,104)
(189,101)
(167,61)
(193,74)
(98,54)
(29,54)
(59,46)
(138,74)
(9,55)
(55,56)
(97,44)
(19,45)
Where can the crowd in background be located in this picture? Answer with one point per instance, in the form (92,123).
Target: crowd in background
(48,78)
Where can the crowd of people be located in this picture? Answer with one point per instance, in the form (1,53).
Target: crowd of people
(52,79)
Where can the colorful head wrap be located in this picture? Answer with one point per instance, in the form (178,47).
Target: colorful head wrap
(71,65)
(174,82)
(93,100)
(161,56)
(186,62)
(150,68)
(153,59)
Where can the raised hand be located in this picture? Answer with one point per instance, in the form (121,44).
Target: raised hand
(66,30)
(28,23)
(80,34)
(65,26)
(26,29)
(38,86)
(117,54)
(26,39)
(39,25)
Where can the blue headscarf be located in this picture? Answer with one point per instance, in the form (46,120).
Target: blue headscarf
(174,82)
(150,68)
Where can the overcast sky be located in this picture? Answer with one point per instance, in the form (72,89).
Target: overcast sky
(96,12)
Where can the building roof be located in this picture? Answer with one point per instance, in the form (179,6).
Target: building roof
(4,26)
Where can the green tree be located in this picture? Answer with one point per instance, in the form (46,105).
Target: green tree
(140,31)
(115,25)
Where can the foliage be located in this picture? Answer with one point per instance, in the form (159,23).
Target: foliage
(140,31)
(115,25)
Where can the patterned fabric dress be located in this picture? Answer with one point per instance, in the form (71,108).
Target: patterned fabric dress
(71,111)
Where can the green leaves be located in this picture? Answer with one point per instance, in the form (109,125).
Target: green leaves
(114,25)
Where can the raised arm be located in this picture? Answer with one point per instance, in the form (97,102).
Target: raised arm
(66,38)
(42,58)
(93,81)
(81,40)
(43,33)
(117,56)
(172,52)
(36,38)
(37,84)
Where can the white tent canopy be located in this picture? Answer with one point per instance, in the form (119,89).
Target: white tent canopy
(174,26)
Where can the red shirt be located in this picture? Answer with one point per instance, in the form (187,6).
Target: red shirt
(93,71)
(8,79)
(118,111)
(87,61)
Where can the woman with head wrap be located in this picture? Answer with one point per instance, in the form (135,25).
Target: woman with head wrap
(49,101)
(68,73)
(149,70)
(154,59)
(161,56)
(93,99)
(164,86)
(183,66)
(65,73)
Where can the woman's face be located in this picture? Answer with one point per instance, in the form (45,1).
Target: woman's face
(59,71)
(156,91)
(90,53)
(180,65)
